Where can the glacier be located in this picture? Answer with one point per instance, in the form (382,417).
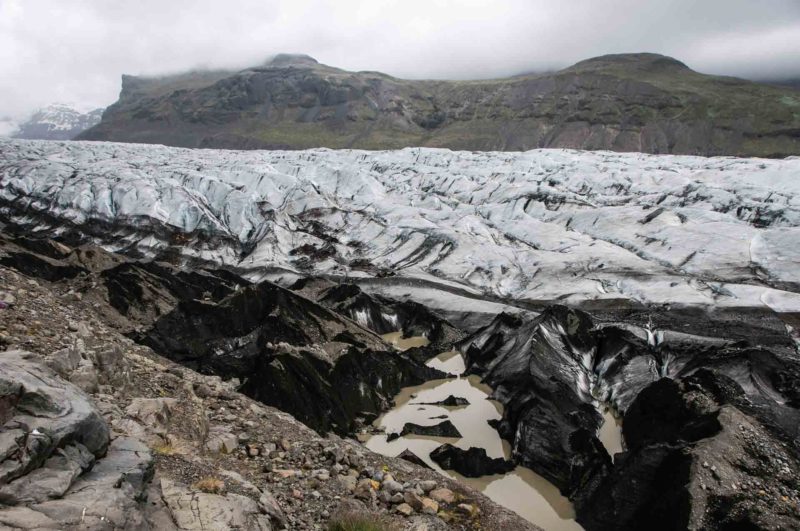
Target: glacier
(528,227)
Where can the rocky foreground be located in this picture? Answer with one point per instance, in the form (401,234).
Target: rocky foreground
(101,432)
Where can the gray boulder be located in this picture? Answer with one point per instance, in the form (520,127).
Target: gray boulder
(221,440)
(41,412)
(107,496)
(212,512)
(51,480)
(152,412)
(57,467)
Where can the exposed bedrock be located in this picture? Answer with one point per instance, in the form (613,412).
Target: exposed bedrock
(679,394)
(40,414)
(59,468)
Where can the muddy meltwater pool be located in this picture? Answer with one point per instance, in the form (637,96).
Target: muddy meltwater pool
(610,433)
(399,342)
(521,490)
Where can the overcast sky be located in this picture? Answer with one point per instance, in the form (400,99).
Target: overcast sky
(76,50)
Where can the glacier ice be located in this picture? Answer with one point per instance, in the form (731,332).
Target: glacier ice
(543,225)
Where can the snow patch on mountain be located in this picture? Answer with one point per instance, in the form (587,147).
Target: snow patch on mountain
(541,225)
(58,121)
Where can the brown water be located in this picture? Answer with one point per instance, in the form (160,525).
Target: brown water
(610,433)
(522,490)
(399,342)
(451,362)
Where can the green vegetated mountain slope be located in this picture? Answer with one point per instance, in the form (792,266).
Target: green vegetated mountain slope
(629,102)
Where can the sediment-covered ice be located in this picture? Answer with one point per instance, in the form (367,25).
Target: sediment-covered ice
(540,225)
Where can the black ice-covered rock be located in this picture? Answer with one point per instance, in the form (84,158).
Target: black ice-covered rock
(411,457)
(472,463)
(380,314)
(671,374)
(443,429)
(289,352)
(450,401)
(660,414)
(537,370)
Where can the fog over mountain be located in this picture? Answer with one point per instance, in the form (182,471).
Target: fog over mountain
(52,50)
(58,121)
(621,102)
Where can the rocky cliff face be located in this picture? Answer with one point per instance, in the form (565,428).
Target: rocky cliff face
(633,102)
(57,122)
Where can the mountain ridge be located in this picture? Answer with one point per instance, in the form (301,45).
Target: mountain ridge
(624,102)
(57,121)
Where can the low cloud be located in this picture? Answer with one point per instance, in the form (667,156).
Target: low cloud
(76,50)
